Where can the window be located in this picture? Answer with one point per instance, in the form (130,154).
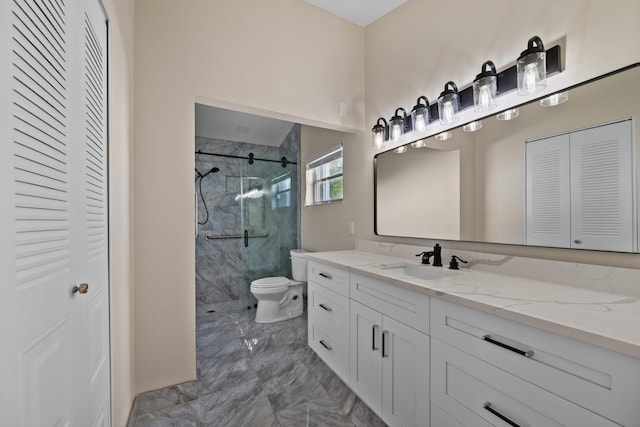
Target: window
(324,177)
(281,192)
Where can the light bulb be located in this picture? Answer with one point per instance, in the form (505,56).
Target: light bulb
(508,115)
(443,136)
(447,112)
(484,97)
(396,132)
(401,149)
(530,78)
(420,125)
(378,140)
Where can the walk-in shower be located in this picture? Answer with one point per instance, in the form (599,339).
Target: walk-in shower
(248,215)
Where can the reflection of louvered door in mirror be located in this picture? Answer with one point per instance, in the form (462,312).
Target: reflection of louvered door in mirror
(54,361)
(580,189)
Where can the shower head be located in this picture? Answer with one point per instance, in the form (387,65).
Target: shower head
(212,170)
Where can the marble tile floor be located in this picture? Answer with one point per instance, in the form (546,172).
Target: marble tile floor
(256,375)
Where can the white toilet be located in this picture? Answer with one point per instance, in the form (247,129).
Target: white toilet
(280,298)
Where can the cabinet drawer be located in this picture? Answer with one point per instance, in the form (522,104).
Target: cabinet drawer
(592,377)
(333,351)
(479,394)
(333,278)
(404,305)
(329,310)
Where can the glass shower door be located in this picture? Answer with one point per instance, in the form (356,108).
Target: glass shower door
(269,208)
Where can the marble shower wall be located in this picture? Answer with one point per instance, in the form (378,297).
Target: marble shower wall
(224,267)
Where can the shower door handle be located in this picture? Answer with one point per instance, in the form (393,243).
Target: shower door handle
(246,238)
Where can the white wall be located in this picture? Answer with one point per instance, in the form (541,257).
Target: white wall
(596,37)
(282,58)
(120,13)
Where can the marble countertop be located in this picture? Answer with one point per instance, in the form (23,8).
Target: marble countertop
(607,320)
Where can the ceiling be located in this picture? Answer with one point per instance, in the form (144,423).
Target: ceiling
(360,12)
(220,123)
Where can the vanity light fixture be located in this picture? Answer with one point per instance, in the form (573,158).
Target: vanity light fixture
(473,126)
(420,115)
(448,104)
(380,133)
(555,99)
(401,149)
(443,136)
(485,88)
(421,143)
(397,124)
(532,68)
(508,114)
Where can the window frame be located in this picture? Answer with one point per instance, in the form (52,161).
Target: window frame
(312,198)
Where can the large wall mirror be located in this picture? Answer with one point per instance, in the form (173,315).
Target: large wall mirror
(556,176)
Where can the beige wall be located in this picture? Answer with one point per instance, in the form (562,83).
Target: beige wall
(283,58)
(590,33)
(120,13)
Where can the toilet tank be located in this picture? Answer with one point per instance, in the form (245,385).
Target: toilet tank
(298,265)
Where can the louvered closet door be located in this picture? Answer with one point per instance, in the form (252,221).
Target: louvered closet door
(548,192)
(54,365)
(602,188)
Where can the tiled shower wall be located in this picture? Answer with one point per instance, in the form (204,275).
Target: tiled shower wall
(224,267)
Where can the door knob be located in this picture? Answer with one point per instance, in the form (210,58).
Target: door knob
(82,289)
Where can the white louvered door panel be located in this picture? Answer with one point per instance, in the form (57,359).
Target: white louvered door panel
(602,188)
(548,192)
(50,335)
(92,138)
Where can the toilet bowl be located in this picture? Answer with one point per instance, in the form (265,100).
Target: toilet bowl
(280,298)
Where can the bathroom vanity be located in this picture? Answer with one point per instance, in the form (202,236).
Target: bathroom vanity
(424,346)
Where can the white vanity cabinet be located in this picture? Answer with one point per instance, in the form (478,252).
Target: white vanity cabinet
(485,367)
(328,316)
(389,360)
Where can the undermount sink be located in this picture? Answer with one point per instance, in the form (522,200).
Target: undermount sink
(416,272)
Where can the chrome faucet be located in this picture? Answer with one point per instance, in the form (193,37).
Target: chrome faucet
(436,253)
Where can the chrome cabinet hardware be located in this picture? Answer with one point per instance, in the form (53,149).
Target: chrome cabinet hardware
(374,332)
(325,275)
(325,345)
(83,288)
(324,307)
(525,353)
(487,406)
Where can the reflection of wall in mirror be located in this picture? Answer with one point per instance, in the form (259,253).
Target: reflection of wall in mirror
(500,202)
(420,193)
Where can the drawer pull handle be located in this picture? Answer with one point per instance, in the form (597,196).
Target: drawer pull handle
(487,406)
(384,346)
(325,275)
(374,332)
(325,345)
(525,353)
(324,307)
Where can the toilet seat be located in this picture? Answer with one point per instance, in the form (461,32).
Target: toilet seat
(271,282)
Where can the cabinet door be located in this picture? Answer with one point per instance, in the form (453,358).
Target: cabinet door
(366,355)
(602,189)
(405,375)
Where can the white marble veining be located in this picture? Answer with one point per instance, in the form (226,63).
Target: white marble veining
(605,319)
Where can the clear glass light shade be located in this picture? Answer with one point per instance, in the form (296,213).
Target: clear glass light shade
(532,73)
(421,143)
(448,109)
(396,129)
(508,115)
(485,93)
(555,99)
(443,136)
(401,149)
(420,118)
(473,126)
(379,134)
